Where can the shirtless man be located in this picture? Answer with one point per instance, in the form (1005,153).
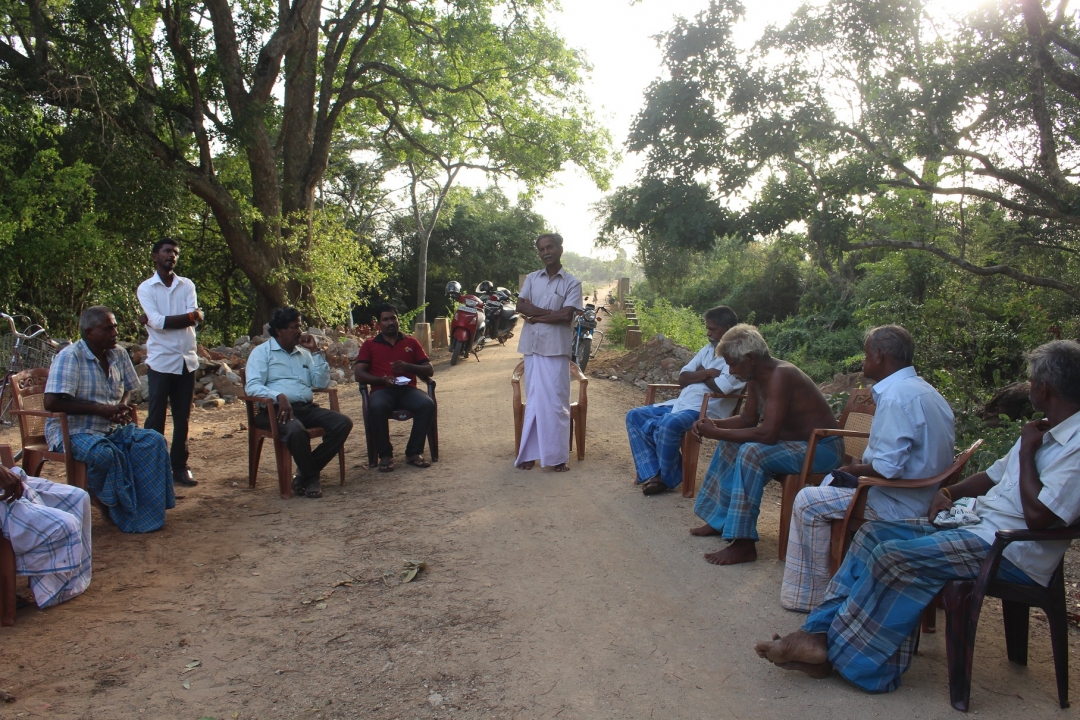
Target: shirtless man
(751,452)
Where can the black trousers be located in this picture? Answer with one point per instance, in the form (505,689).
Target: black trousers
(294,434)
(169,390)
(384,401)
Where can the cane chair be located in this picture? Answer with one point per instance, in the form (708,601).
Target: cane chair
(283,457)
(854,428)
(578,409)
(7,560)
(963,605)
(401,415)
(691,445)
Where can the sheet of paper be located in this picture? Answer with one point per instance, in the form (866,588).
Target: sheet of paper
(402,380)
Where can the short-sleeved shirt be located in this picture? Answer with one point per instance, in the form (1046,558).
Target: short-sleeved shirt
(549,293)
(169,350)
(1058,463)
(690,397)
(76,372)
(380,356)
(911,437)
(271,371)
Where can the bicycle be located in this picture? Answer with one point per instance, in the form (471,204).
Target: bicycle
(30,348)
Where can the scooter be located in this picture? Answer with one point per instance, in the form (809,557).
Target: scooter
(467,328)
(584,329)
(500,312)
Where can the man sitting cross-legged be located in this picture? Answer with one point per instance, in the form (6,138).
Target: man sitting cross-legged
(127,467)
(390,362)
(656,431)
(911,437)
(285,368)
(48,525)
(753,450)
(868,623)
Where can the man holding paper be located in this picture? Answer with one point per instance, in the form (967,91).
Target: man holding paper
(390,362)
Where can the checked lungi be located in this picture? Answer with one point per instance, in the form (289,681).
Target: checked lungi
(656,435)
(545,432)
(730,497)
(873,604)
(809,544)
(128,471)
(49,530)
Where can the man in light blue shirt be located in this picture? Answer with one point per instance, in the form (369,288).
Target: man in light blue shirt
(656,431)
(911,437)
(285,369)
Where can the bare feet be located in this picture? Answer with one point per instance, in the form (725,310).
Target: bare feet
(561,467)
(796,647)
(739,551)
(704,531)
(527,465)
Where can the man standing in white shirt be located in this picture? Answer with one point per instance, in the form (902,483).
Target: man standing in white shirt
(548,300)
(656,431)
(170,314)
(911,437)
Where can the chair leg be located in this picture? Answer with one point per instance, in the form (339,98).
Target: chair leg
(581,438)
(284,470)
(433,437)
(571,430)
(691,449)
(1059,640)
(254,454)
(372,459)
(929,616)
(32,462)
(787,504)
(341,463)
(1017,619)
(959,648)
(7,583)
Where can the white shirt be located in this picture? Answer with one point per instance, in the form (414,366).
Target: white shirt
(1058,463)
(169,351)
(911,437)
(690,397)
(549,293)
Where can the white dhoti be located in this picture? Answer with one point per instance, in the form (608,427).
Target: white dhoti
(49,530)
(545,433)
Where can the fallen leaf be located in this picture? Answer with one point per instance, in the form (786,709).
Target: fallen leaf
(198,564)
(308,620)
(412,569)
(346,583)
(320,606)
(187,684)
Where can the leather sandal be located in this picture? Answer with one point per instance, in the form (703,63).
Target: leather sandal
(654,487)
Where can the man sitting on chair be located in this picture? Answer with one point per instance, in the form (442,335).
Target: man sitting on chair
(127,467)
(48,525)
(868,624)
(390,362)
(656,431)
(911,437)
(783,406)
(285,368)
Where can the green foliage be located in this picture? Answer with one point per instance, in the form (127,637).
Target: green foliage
(683,325)
(997,439)
(601,273)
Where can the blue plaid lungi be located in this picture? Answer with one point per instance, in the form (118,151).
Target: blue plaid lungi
(49,530)
(730,497)
(128,470)
(656,435)
(874,602)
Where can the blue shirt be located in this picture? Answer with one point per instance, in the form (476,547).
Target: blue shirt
(76,372)
(690,397)
(911,437)
(271,372)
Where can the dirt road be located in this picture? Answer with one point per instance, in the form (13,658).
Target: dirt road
(546,595)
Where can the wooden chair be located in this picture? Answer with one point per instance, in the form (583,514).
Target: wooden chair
(578,409)
(7,560)
(256,436)
(963,604)
(402,415)
(854,427)
(691,446)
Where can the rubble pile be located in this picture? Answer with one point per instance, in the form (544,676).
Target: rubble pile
(657,361)
(217,379)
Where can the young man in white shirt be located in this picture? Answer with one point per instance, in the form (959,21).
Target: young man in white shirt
(170,314)
(656,431)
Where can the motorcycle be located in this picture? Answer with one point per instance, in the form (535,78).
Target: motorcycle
(584,329)
(499,310)
(467,328)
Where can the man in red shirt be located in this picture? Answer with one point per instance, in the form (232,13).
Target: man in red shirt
(390,362)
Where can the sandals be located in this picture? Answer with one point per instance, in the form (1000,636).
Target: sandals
(417,461)
(314,489)
(386,464)
(654,487)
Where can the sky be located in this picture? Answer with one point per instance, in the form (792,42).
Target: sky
(617,38)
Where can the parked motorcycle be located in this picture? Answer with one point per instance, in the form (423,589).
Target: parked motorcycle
(499,310)
(467,327)
(581,350)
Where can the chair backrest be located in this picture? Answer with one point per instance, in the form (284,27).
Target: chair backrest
(28,392)
(517,381)
(858,415)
